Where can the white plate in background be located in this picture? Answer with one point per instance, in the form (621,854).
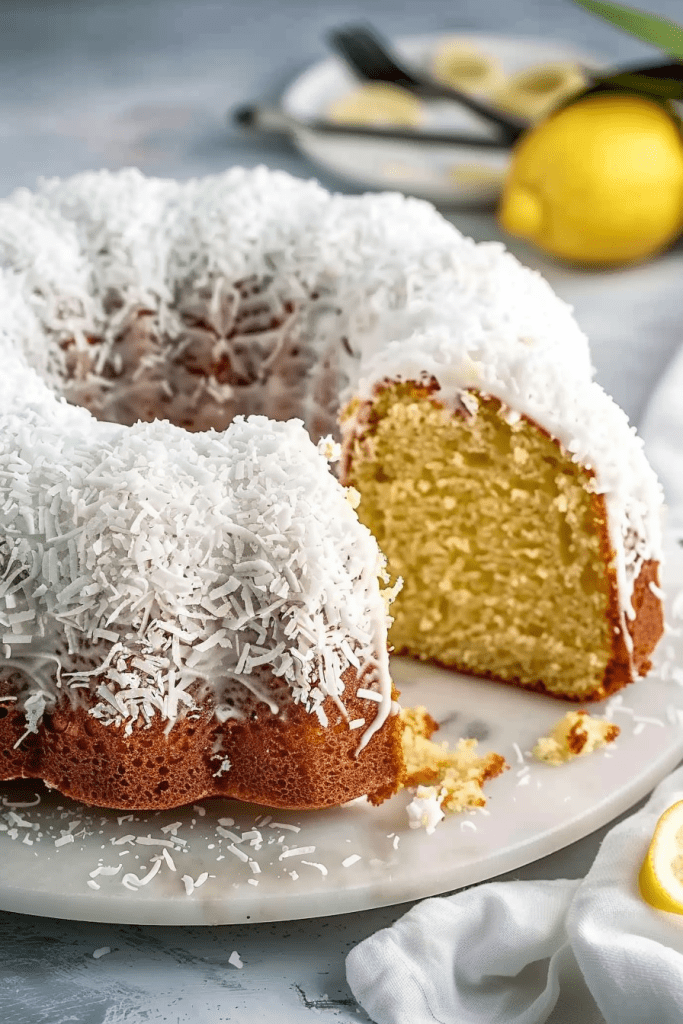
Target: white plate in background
(442,174)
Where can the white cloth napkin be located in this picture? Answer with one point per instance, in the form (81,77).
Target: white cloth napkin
(490,954)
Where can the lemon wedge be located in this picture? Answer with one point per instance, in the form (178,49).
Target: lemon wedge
(536,91)
(661,876)
(463,66)
(377,103)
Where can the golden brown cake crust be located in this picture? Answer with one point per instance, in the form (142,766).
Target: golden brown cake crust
(287,760)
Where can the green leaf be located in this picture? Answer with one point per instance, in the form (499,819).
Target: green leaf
(663,81)
(661,32)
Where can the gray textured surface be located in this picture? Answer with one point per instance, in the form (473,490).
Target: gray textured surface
(106,84)
(110,82)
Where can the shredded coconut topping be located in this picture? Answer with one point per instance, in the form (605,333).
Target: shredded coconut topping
(218,561)
(144,565)
(152,569)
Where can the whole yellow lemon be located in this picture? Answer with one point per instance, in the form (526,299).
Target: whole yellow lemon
(600,182)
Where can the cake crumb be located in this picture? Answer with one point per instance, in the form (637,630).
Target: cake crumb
(573,736)
(446,780)
(353,497)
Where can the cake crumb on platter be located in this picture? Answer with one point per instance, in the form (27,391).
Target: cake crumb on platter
(445,780)
(575,735)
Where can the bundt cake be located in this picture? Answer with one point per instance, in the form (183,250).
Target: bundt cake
(189,604)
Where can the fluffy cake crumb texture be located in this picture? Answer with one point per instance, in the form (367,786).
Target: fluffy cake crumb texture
(575,735)
(446,780)
(511,574)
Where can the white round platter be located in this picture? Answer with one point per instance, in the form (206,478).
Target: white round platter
(442,174)
(297,865)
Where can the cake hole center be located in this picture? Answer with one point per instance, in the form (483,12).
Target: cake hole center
(214,353)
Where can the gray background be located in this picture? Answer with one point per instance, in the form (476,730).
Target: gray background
(78,81)
(109,84)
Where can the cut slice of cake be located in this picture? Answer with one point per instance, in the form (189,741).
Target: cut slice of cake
(517,505)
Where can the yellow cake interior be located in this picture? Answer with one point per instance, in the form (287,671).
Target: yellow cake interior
(455,776)
(497,536)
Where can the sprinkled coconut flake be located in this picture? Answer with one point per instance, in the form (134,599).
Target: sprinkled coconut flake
(227,834)
(134,882)
(368,694)
(240,854)
(312,864)
(105,870)
(169,860)
(16,804)
(123,840)
(298,851)
(253,835)
(424,810)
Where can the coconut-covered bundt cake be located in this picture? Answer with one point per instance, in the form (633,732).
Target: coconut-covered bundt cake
(189,604)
